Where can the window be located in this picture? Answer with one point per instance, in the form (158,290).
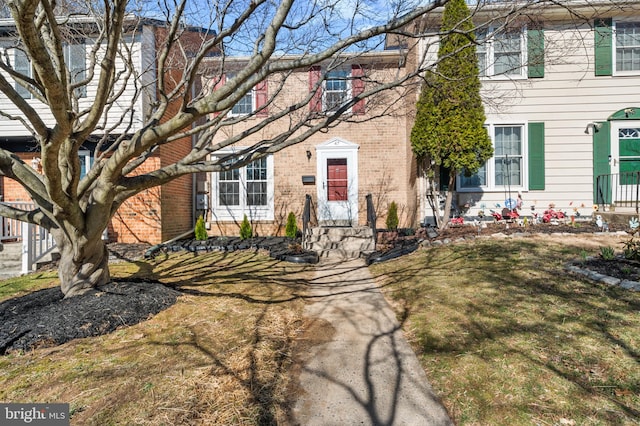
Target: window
(254,100)
(86,161)
(246,190)
(22,65)
(75,57)
(506,168)
(627,46)
(337,88)
(501,53)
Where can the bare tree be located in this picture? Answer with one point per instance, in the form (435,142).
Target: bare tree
(129,111)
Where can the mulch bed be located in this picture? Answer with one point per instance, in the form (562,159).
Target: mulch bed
(44,318)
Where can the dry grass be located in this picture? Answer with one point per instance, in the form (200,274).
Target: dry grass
(507,337)
(220,355)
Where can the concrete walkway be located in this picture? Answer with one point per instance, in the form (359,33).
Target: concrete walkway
(366,373)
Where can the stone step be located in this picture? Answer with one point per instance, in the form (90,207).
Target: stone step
(341,243)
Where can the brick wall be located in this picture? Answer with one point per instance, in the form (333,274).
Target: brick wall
(386,166)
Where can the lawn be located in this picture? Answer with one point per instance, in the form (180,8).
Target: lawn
(507,337)
(220,355)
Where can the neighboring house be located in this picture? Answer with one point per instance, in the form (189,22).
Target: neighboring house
(562,106)
(337,167)
(154,215)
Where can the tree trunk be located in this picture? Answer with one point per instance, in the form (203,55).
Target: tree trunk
(84,265)
(448,200)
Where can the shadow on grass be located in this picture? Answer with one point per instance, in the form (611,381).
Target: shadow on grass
(517,294)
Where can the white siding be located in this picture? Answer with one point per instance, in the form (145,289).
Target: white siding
(566,100)
(9,128)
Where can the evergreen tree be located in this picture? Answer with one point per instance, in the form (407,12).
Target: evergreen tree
(448,132)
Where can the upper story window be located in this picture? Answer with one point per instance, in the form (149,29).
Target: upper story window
(22,65)
(75,58)
(254,101)
(337,90)
(501,54)
(627,47)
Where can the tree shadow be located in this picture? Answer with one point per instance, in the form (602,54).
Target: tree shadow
(531,296)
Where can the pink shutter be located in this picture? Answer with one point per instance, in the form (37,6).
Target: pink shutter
(219,84)
(357,87)
(261,98)
(315,74)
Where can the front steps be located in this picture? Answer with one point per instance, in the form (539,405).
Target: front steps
(341,242)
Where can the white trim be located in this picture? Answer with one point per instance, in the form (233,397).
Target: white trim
(337,212)
(348,92)
(236,213)
(490,163)
(614,62)
(490,56)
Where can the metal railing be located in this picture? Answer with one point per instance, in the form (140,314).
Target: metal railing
(306,217)
(372,218)
(620,189)
(37,242)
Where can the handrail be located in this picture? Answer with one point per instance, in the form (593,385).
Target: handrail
(371,218)
(11,229)
(306,217)
(620,189)
(37,242)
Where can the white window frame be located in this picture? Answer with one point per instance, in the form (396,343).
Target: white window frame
(76,73)
(87,159)
(614,50)
(490,164)
(22,90)
(490,52)
(236,213)
(347,91)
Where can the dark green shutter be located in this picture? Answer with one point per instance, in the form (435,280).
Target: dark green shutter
(536,156)
(603,46)
(535,53)
(601,166)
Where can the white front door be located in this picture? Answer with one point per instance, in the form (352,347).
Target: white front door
(337,168)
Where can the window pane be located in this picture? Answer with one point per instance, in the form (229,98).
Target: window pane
(244,105)
(508,155)
(508,141)
(628,46)
(475,180)
(229,193)
(75,56)
(257,193)
(336,89)
(23,66)
(257,170)
(508,53)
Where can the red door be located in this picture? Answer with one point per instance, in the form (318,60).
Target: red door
(337,179)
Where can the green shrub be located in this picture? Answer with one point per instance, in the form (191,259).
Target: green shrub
(632,249)
(245,229)
(292,227)
(392,216)
(607,253)
(200,230)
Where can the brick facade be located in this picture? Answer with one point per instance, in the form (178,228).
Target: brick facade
(386,165)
